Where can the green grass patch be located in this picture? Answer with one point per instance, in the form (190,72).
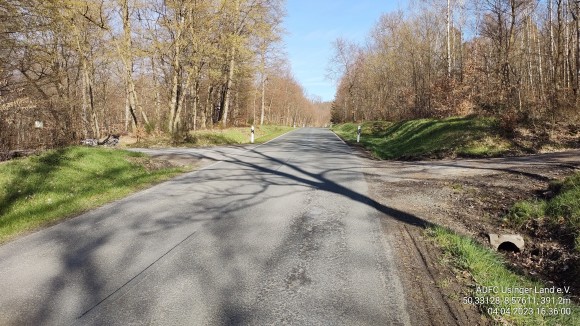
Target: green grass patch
(562,210)
(39,190)
(217,137)
(490,272)
(430,138)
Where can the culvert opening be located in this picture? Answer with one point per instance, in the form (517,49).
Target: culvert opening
(508,246)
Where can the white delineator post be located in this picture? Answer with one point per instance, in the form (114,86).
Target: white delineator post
(358,131)
(252,135)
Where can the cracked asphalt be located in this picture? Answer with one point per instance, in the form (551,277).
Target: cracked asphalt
(281,233)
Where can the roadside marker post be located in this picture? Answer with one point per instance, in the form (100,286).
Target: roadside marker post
(358,131)
(252,135)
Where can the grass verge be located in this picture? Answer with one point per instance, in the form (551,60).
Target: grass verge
(562,211)
(40,190)
(494,280)
(429,138)
(216,137)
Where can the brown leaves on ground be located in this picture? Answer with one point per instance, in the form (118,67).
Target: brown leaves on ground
(153,164)
(481,204)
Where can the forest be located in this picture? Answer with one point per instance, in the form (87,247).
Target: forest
(78,69)
(517,60)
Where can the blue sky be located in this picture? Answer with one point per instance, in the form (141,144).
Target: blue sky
(312,26)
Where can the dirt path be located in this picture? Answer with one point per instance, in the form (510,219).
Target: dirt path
(468,196)
(435,188)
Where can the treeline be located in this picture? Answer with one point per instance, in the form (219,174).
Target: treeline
(516,59)
(74,69)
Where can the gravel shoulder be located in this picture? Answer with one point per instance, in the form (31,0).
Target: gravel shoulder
(197,158)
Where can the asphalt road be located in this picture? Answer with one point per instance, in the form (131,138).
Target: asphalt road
(282,233)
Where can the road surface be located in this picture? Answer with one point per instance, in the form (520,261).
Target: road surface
(282,233)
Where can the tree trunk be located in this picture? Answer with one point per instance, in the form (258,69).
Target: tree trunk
(176,81)
(262,104)
(577,77)
(227,90)
(448,38)
(174,100)
(180,103)
(551,47)
(206,109)
(157,95)
(127,58)
(89,98)
(195,94)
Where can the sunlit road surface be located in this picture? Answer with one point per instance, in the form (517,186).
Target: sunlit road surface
(282,233)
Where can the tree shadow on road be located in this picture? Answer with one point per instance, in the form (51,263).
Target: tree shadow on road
(78,244)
